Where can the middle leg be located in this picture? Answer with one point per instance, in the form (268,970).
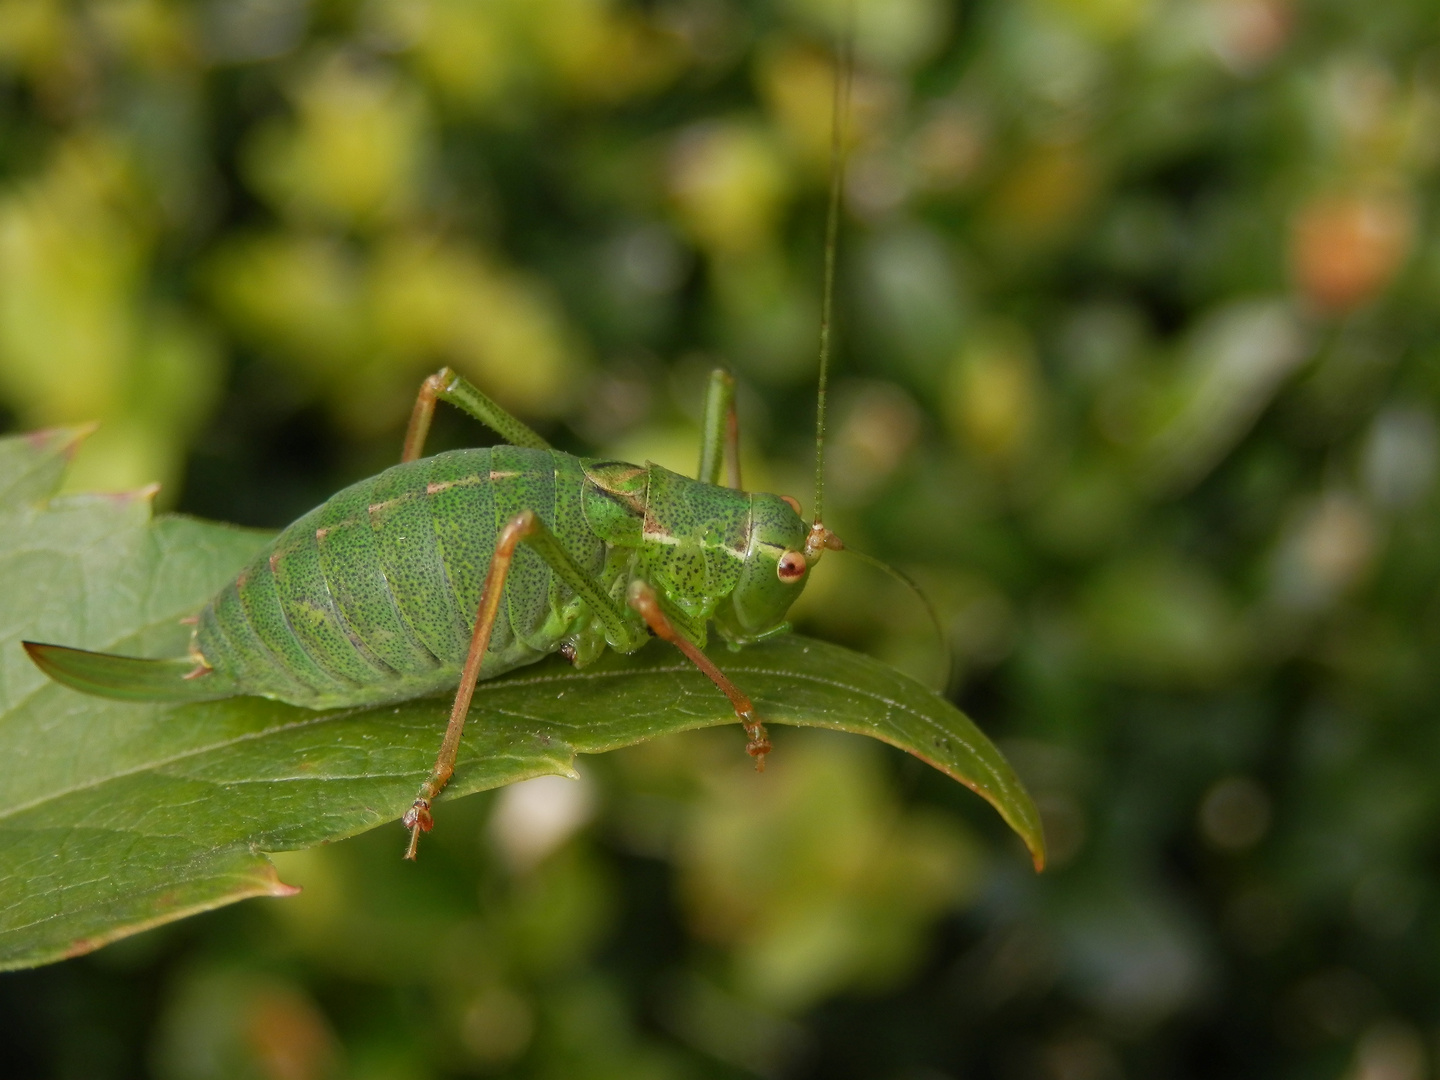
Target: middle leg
(720,439)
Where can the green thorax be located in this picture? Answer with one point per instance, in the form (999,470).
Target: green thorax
(709,551)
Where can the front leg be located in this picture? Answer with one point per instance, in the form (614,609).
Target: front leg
(643,599)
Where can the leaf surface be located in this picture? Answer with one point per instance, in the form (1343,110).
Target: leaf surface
(118,816)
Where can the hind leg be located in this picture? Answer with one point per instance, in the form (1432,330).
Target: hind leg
(620,632)
(445,385)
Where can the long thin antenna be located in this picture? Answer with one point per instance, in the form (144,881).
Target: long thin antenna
(910,583)
(838,108)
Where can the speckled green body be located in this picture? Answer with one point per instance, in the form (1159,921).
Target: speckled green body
(372,596)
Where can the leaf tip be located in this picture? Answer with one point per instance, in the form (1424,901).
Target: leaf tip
(1037,855)
(1024,819)
(271,885)
(64,440)
(140,494)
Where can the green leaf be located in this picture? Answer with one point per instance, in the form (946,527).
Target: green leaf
(118,816)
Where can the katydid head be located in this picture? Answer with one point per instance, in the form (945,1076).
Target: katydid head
(775,565)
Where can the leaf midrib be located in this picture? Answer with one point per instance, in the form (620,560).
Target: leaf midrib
(521,680)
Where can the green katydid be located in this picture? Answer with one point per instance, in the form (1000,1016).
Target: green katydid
(446,570)
(414,580)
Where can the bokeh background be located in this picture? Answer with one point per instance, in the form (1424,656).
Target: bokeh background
(1138,368)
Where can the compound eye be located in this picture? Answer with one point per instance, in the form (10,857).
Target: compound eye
(791,567)
(792,502)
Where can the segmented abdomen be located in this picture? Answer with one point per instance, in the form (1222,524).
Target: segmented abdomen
(372,596)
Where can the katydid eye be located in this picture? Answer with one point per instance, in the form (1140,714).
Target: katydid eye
(791,567)
(791,502)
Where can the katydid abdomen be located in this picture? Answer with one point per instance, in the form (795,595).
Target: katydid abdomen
(372,596)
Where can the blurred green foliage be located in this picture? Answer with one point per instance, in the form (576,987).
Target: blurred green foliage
(1137,376)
